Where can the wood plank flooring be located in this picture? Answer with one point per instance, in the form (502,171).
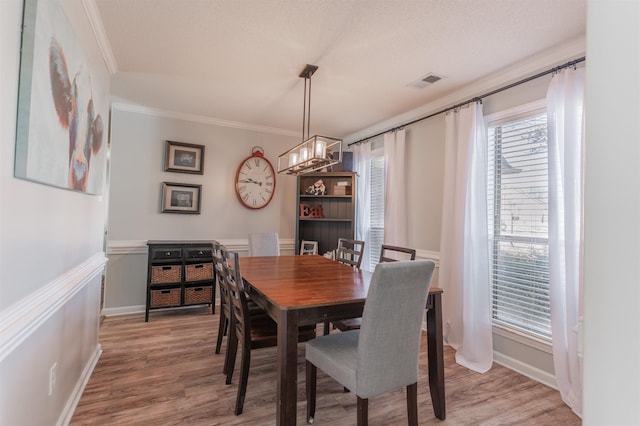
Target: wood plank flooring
(165,372)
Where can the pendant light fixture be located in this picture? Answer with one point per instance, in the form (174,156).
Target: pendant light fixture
(315,152)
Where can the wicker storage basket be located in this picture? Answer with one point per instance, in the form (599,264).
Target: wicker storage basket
(198,272)
(168,297)
(166,274)
(195,295)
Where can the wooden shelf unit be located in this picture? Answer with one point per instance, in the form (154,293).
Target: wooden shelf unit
(339,211)
(180,273)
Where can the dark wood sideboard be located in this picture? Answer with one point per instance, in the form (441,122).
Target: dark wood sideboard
(180,273)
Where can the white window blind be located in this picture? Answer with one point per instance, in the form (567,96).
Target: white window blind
(376,215)
(518,222)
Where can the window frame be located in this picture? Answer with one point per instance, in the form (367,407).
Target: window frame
(502,327)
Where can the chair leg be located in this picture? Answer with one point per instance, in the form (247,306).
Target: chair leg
(222,330)
(362,407)
(244,378)
(230,358)
(312,373)
(412,404)
(326,328)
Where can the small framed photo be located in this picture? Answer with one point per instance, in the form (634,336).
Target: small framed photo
(181,198)
(184,158)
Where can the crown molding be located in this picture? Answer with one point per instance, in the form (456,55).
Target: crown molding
(127,107)
(91,9)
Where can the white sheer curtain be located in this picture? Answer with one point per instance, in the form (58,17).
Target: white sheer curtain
(362,165)
(464,243)
(395,204)
(565,120)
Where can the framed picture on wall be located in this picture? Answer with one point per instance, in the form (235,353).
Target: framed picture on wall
(63,107)
(181,198)
(184,158)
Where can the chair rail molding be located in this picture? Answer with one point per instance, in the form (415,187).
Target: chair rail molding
(429,255)
(21,319)
(140,246)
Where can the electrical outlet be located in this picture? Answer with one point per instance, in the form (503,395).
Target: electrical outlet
(52,378)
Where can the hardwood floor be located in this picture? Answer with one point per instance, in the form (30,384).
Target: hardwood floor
(165,372)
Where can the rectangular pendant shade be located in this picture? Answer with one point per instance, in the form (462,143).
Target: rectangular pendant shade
(315,153)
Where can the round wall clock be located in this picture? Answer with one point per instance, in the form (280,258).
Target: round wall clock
(255,180)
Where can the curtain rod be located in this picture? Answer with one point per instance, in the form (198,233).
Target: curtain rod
(477,98)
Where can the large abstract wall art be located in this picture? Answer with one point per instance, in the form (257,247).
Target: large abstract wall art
(62,114)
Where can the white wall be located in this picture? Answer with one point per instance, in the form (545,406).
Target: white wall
(138,138)
(50,260)
(612,210)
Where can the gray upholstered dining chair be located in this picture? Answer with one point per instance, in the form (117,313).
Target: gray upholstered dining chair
(383,354)
(387,254)
(264,244)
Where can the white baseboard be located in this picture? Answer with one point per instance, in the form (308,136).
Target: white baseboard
(123,310)
(72,403)
(137,309)
(536,374)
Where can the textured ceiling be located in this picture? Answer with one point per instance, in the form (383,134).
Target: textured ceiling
(239,60)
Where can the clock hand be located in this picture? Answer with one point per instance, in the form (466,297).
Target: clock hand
(250,181)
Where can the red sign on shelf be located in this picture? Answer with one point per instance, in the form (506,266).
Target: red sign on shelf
(310,212)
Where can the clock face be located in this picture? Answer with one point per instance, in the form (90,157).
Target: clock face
(255,182)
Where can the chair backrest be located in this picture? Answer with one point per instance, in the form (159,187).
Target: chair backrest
(350,252)
(393,253)
(218,260)
(389,342)
(308,247)
(240,322)
(264,244)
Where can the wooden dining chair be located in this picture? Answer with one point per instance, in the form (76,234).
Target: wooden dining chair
(225,313)
(225,309)
(387,254)
(308,247)
(390,253)
(251,329)
(350,252)
(383,354)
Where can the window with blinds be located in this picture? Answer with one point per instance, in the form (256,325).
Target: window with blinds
(376,214)
(518,222)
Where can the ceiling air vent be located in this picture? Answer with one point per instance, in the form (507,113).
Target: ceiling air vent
(426,81)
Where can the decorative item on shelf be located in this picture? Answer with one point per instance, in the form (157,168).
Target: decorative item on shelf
(330,255)
(317,188)
(307,211)
(342,188)
(315,152)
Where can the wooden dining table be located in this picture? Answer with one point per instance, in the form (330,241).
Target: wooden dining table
(303,290)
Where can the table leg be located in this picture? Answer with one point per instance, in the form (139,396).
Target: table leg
(287,367)
(436,356)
